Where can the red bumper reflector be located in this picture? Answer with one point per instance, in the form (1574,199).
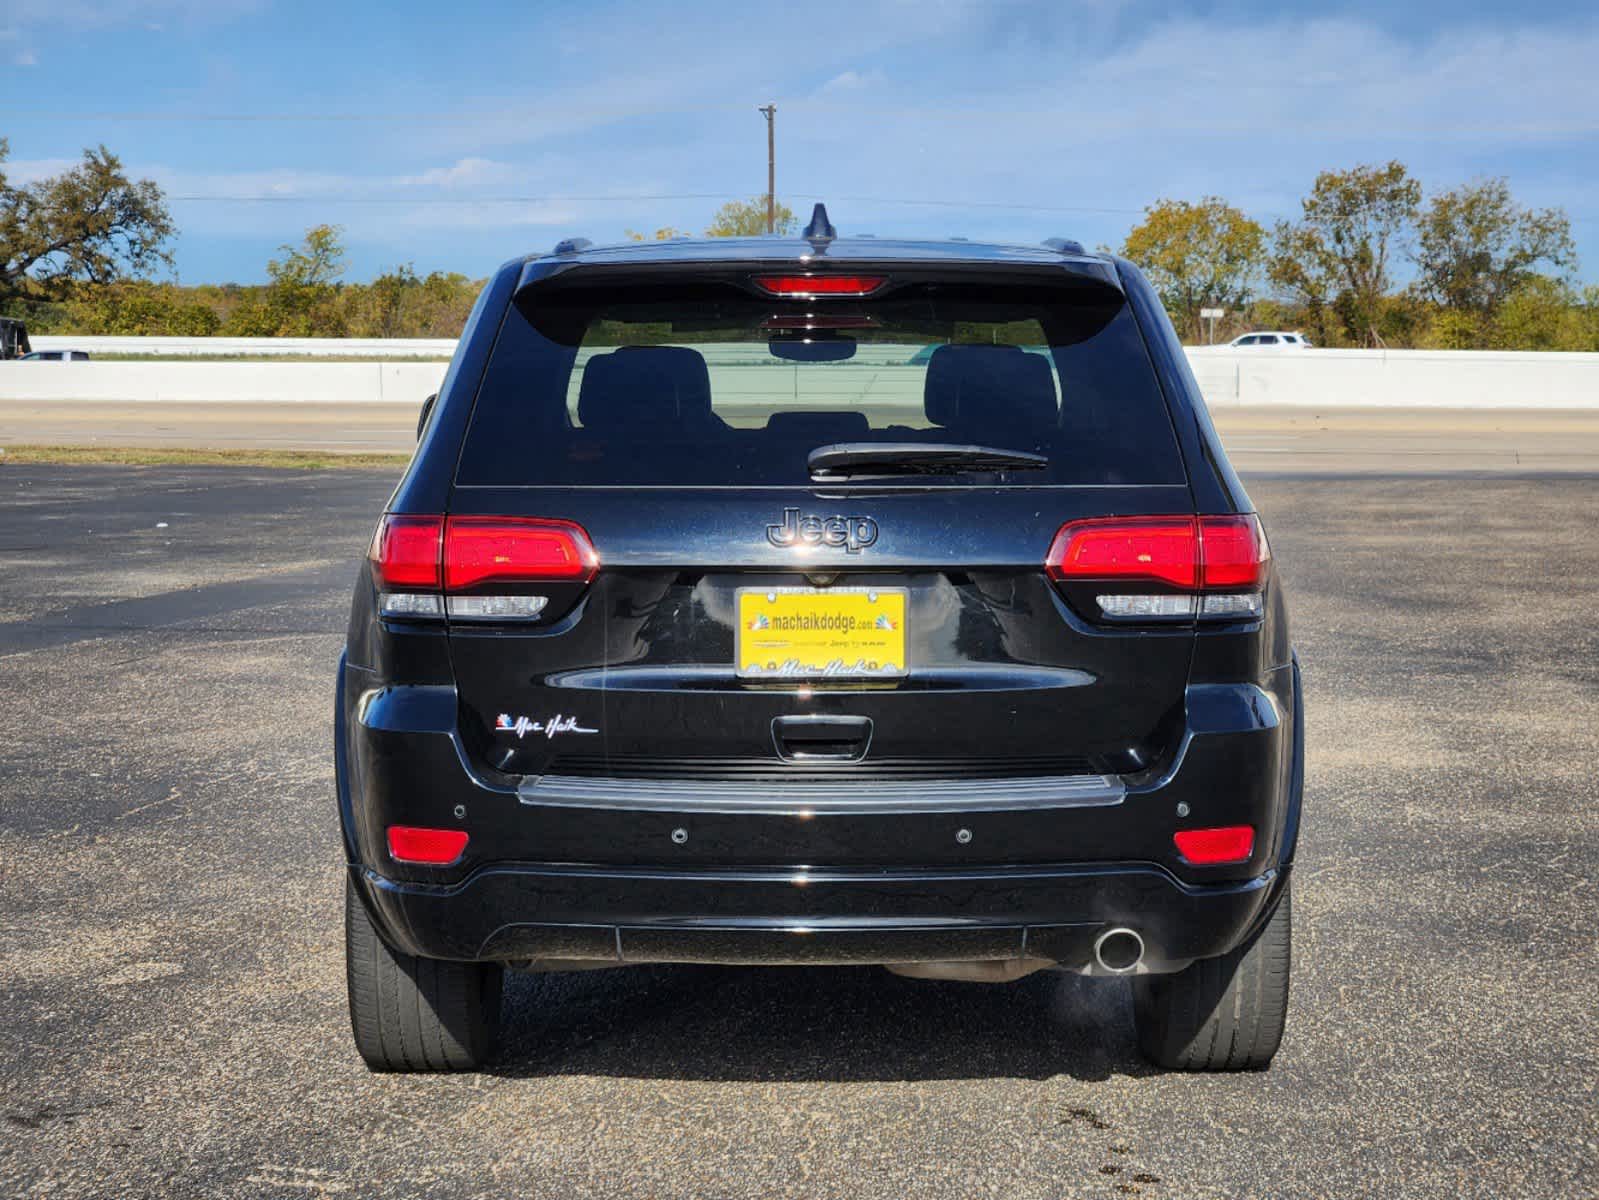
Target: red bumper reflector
(819,285)
(431,847)
(1210,847)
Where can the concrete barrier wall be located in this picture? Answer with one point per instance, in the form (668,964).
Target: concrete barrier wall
(238,383)
(1321,378)
(1396,378)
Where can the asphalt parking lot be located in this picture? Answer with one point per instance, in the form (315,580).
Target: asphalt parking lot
(171,961)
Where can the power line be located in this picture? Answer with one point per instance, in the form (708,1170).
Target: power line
(446,201)
(974,204)
(331,198)
(629,197)
(1124,119)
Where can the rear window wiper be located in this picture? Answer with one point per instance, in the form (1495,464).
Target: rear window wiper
(850,459)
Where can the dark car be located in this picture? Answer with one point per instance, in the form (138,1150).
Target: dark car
(712,623)
(13,339)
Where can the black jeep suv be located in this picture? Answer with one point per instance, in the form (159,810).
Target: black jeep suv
(827,601)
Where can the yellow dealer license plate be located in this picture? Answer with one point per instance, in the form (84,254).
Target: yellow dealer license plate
(806,633)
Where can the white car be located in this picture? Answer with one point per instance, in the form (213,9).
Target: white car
(1271,341)
(56,356)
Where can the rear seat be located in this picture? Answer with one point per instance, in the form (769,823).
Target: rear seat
(987,392)
(644,391)
(972,393)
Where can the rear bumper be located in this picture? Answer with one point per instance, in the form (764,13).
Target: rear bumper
(563,870)
(529,913)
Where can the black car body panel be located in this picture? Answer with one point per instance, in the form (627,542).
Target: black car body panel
(630,795)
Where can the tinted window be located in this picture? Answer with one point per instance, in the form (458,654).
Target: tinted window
(713,387)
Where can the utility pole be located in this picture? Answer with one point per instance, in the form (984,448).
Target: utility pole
(770,112)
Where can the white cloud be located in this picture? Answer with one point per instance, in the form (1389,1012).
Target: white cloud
(464,172)
(484,216)
(30,170)
(688,64)
(280,201)
(115,14)
(1094,105)
(853,81)
(42,22)
(1184,108)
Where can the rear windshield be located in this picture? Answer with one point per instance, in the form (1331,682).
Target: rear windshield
(711,386)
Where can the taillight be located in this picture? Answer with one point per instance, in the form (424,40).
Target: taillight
(406,565)
(1207,567)
(1164,549)
(478,568)
(1212,847)
(405,552)
(1234,553)
(429,847)
(819,285)
(483,550)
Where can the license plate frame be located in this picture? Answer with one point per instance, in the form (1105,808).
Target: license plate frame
(864,652)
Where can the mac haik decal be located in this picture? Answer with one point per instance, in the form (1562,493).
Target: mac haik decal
(549,727)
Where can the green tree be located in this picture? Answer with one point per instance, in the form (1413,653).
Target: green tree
(1197,256)
(139,308)
(1544,314)
(1341,253)
(301,299)
(663,234)
(747,218)
(399,303)
(380,308)
(316,262)
(1455,329)
(89,223)
(250,316)
(1477,246)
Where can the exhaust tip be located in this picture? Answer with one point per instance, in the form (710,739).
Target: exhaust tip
(1119,951)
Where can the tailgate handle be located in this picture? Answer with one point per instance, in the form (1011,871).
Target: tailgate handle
(821,738)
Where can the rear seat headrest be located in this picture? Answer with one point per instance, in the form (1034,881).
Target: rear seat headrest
(972,387)
(645,387)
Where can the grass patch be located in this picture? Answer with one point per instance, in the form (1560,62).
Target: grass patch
(134,456)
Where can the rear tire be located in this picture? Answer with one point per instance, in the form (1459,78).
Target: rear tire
(1220,1014)
(416,1014)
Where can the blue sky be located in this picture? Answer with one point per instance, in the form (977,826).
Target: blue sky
(453,136)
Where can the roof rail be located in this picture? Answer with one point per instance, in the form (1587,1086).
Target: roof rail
(571,245)
(1065,246)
